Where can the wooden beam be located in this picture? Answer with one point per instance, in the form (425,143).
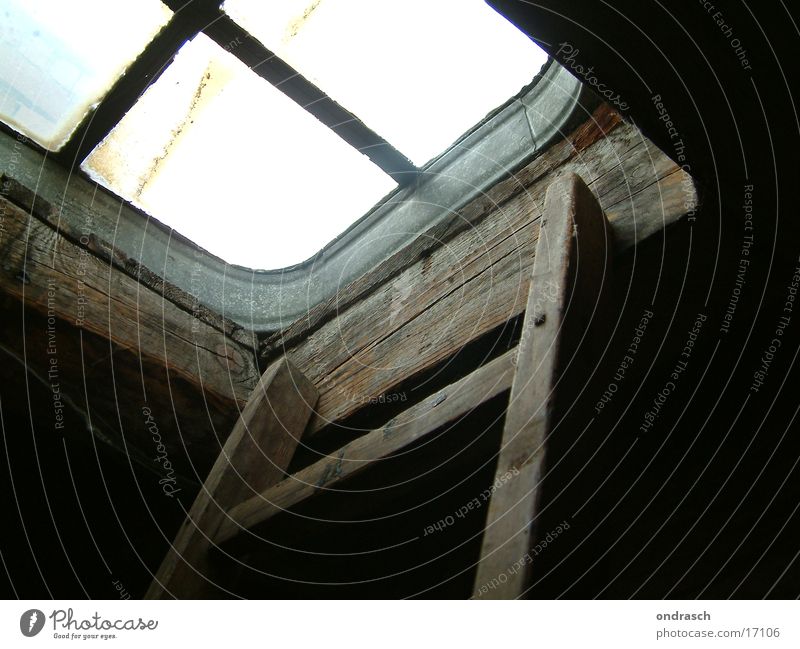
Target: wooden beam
(437,410)
(469,275)
(254,457)
(601,125)
(101,205)
(64,280)
(106,390)
(570,271)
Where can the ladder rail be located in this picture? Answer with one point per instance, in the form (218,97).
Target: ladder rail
(254,457)
(568,285)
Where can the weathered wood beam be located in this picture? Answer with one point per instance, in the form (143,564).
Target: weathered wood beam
(98,387)
(61,279)
(254,457)
(96,206)
(570,272)
(439,409)
(603,123)
(469,275)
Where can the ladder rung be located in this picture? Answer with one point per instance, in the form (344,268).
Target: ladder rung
(412,424)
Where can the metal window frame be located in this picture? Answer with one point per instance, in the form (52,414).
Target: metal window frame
(268,300)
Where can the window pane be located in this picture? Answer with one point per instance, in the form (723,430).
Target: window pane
(58,59)
(219,154)
(418,72)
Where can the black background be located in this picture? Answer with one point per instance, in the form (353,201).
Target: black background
(706,503)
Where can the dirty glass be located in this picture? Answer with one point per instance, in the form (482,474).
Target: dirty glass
(58,59)
(227,160)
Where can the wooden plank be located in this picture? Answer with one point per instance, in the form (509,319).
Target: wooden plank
(441,408)
(254,457)
(571,267)
(64,280)
(97,206)
(593,133)
(421,313)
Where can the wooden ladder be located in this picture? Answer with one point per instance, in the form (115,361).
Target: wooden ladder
(246,487)
(253,458)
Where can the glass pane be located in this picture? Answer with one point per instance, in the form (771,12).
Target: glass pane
(58,59)
(219,154)
(418,72)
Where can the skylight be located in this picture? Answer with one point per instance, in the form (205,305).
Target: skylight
(222,156)
(214,150)
(419,73)
(58,59)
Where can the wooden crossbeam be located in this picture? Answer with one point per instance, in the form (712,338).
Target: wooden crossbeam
(570,270)
(442,407)
(56,276)
(253,458)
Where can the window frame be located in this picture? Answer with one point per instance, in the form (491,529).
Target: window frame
(268,300)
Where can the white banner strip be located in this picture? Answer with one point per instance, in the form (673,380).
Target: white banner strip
(404,624)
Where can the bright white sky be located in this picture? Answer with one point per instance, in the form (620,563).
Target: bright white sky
(419,72)
(250,176)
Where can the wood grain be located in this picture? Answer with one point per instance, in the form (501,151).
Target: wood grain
(439,409)
(66,281)
(469,275)
(254,457)
(571,268)
(590,134)
(89,207)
